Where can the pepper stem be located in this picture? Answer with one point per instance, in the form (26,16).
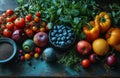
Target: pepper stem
(90,26)
(102,19)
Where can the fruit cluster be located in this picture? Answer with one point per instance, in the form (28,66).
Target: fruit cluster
(61,36)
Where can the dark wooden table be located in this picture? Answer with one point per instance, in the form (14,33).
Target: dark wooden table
(42,68)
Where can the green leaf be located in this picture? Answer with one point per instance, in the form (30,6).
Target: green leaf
(76,20)
(59,11)
(82,35)
(75,12)
(19,1)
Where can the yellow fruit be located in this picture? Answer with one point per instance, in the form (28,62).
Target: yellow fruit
(27,56)
(100,46)
(36,55)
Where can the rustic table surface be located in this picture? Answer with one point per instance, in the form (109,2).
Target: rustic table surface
(42,68)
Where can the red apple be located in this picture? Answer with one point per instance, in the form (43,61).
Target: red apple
(83,47)
(40,39)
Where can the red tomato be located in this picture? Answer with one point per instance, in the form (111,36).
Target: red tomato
(3,27)
(10,26)
(38,14)
(14,17)
(34,28)
(4,15)
(28,17)
(9,19)
(7,33)
(36,19)
(29,32)
(85,63)
(20,22)
(32,23)
(37,50)
(9,12)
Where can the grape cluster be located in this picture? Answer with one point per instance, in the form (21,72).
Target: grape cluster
(61,36)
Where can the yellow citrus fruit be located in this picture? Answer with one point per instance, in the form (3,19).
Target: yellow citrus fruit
(100,46)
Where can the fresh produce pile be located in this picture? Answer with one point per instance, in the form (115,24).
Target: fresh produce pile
(40,27)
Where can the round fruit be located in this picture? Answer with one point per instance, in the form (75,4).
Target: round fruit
(9,12)
(20,22)
(28,45)
(111,60)
(18,36)
(27,56)
(40,39)
(93,58)
(100,47)
(10,26)
(83,47)
(36,55)
(85,63)
(49,54)
(7,33)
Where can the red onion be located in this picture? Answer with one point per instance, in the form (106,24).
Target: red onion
(111,60)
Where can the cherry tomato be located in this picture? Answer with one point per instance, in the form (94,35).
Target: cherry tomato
(38,14)
(85,63)
(29,32)
(9,12)
(20,22)
(3,27)
(36,19)
(10,26)
(9,19)
(34,28)
(27,56)
(14,17)
(43,24)
(32,23)
(28,17)
(37,50)
(7,33)
(4,15)
(42,29)
(36,55)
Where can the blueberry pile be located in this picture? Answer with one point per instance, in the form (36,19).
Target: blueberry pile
(61,36)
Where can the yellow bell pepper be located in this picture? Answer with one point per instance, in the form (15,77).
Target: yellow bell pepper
(103,19)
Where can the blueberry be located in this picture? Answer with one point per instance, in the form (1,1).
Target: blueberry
(63,38)
(60,35)
(69,31)
(55,31)
(53,38)
(67,27)
(70,34)
(58,39)
(69,41)
(62,43)
(63,27)
(56,35)
(60,31)
(55,27)
(57,42)
(68,37)
(65,34)
(52,33)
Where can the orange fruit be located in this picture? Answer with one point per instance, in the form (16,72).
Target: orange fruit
(36,55)
(27,56)
(100,46)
